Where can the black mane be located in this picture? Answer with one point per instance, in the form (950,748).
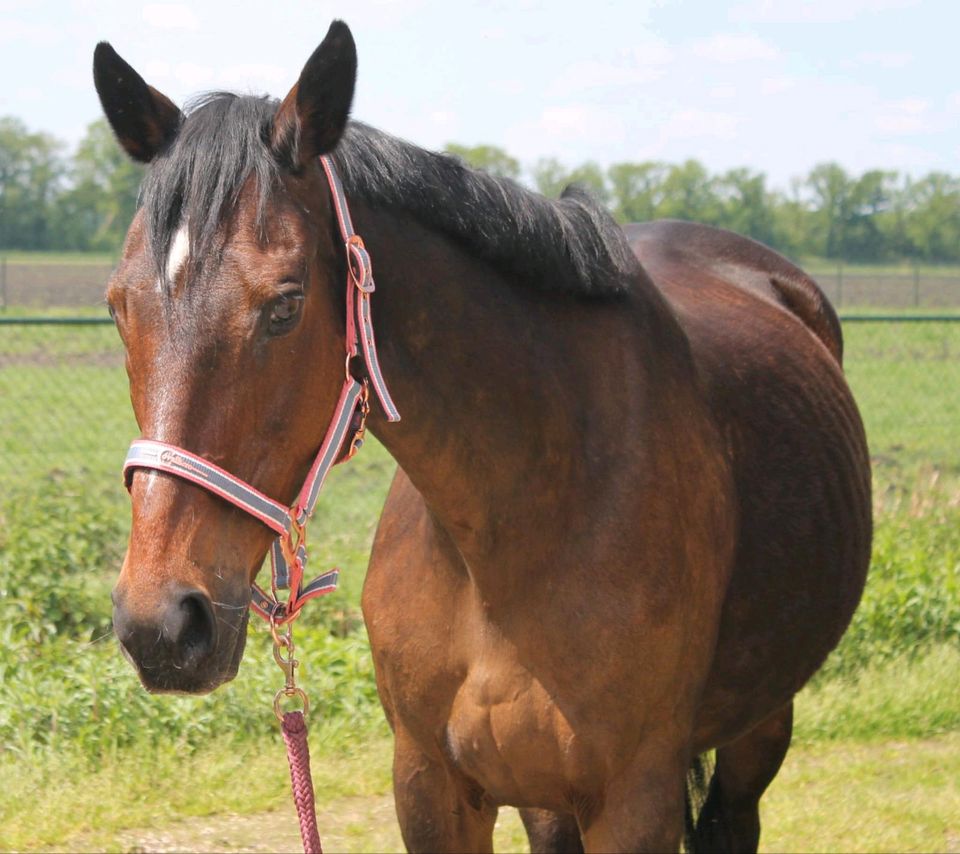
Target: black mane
(570,244)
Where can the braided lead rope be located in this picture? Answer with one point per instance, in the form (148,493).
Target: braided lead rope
(294,730)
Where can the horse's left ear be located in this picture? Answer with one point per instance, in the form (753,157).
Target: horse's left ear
(312,117)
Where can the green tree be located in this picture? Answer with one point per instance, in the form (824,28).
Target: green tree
(745,206)
(637,190)
(31,171)
(489,158)
(97,209)
(551,178)
(933,223)
(830,187)
(688,193)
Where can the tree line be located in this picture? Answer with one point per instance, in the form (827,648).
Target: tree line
(51,199)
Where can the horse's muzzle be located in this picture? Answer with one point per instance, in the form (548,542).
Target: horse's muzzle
(179,647)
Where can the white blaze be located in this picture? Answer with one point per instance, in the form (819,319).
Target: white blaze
(179,249)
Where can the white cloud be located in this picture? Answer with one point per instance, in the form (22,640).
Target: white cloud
(776,85)
(723,92)
(734,47)
(563,131)
(591,74)
(194,76)
(884,59)
(257,75)
(810,11)
(578,121)
(14,31)
(693,123)
(442,120)
(170,16)
(641,64)
(904,117)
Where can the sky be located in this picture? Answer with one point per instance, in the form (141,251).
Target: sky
(774,86)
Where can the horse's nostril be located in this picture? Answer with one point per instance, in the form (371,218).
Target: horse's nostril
(190,629)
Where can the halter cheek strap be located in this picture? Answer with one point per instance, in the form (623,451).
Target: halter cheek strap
(288,553)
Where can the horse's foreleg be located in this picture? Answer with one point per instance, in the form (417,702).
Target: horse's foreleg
(438,810)
(730,818)
(642,808)
(551,832)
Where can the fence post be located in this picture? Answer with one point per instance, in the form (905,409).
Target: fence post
(916,283)
(840,283)
(3,283)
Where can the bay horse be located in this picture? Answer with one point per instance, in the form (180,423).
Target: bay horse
(632,511)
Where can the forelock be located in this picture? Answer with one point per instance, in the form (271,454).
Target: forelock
(196,182)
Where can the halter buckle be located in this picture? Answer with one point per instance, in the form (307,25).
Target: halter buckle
(356,441)
(290,543)
(359,265)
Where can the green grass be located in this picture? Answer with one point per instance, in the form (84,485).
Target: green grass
(75,724)
(910,696)
(16,256)
(904,377)
(814,266)
(859,745)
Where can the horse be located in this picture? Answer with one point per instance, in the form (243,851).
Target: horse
(631,515)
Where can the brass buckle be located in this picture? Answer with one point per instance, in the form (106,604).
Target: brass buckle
(356,441)
(290,543)
(288,664)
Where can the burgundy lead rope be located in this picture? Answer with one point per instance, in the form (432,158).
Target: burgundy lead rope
(294,729)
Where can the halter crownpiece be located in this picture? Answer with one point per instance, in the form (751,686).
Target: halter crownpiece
(288,553)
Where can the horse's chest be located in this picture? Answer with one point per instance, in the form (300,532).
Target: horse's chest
(506,732)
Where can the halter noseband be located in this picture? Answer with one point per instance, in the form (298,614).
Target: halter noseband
(288,554)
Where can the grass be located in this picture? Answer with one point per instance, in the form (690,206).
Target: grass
(75,725)
(18,256)
(881,778)
(814,266)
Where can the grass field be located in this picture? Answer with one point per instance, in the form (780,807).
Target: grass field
(878,732)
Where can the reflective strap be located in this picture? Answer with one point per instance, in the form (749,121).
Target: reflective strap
(280,567)
(339,199)
(358,262)
(266,606)
(330,449)
(320,585)
(371,358)
(145,453)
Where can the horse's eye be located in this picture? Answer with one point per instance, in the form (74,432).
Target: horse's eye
(285,312)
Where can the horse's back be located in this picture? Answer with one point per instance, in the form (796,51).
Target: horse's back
(767,347)
(740,262)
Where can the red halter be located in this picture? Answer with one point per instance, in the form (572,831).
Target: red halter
(288,554)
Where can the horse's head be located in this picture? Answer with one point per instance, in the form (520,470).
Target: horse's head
(224,300)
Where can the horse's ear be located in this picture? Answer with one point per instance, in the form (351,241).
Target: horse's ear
(144,120)
(312,117)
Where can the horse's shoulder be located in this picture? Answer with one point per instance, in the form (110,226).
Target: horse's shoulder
(684,258)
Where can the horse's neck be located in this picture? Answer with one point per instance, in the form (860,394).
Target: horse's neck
(488,386)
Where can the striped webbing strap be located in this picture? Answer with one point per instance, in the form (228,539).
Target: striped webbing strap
(288,552)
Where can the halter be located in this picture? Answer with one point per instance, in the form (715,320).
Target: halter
(288,553)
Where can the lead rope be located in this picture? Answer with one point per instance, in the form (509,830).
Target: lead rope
(293,726)
(294,729)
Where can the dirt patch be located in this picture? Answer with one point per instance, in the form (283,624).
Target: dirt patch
(346,824)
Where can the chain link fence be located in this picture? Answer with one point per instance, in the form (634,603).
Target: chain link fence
(64,405)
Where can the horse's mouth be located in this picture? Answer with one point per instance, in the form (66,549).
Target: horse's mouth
(160,672)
